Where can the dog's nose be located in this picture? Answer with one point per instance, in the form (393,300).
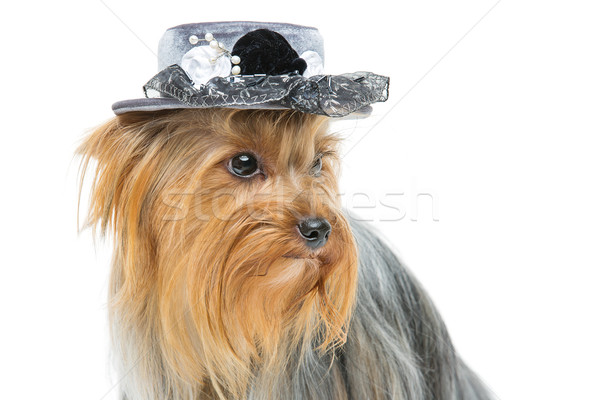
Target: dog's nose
(315,231)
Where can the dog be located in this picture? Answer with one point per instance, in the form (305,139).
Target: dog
(238,275)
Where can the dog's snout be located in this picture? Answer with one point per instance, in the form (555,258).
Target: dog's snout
(315,231)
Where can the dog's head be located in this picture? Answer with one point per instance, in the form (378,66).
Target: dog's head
(231,247)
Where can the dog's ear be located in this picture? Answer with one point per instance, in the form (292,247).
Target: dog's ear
(121,159)
(111,154)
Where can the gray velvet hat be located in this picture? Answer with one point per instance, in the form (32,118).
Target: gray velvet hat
(257,65)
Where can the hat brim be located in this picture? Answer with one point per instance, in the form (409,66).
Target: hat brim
(161,103)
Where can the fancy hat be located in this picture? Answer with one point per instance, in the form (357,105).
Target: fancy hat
(252,65)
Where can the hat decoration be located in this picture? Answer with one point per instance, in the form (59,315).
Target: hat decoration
(204,62)
(262,70)
(266,52)
(261,51)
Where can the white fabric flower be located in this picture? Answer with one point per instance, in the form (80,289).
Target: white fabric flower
(196,63)
(314,63)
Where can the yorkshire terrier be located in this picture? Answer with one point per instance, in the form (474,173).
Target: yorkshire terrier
(237,274)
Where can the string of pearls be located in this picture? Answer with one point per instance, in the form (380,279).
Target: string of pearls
(220,48)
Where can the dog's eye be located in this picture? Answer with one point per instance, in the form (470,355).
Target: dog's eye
(315,170)
(244,165)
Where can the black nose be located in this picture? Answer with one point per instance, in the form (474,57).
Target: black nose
(315,231)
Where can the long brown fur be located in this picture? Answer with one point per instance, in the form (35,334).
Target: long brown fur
(211,285)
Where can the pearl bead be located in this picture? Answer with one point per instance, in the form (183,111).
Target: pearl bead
(213,60)
(221,45)
(235,59)
(214,44)
(209,37)
(194,39)
(236,70)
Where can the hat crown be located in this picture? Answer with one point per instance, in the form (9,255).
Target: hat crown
(175,42)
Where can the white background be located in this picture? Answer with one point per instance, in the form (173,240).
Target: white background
(499,126)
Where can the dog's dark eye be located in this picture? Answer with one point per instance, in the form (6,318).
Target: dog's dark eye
(315,170)
(244,165)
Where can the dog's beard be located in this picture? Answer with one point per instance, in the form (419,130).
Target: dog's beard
(241,292)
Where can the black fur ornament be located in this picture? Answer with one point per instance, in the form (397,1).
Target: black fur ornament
(266,52)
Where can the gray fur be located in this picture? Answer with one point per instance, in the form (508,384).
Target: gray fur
(397,349)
